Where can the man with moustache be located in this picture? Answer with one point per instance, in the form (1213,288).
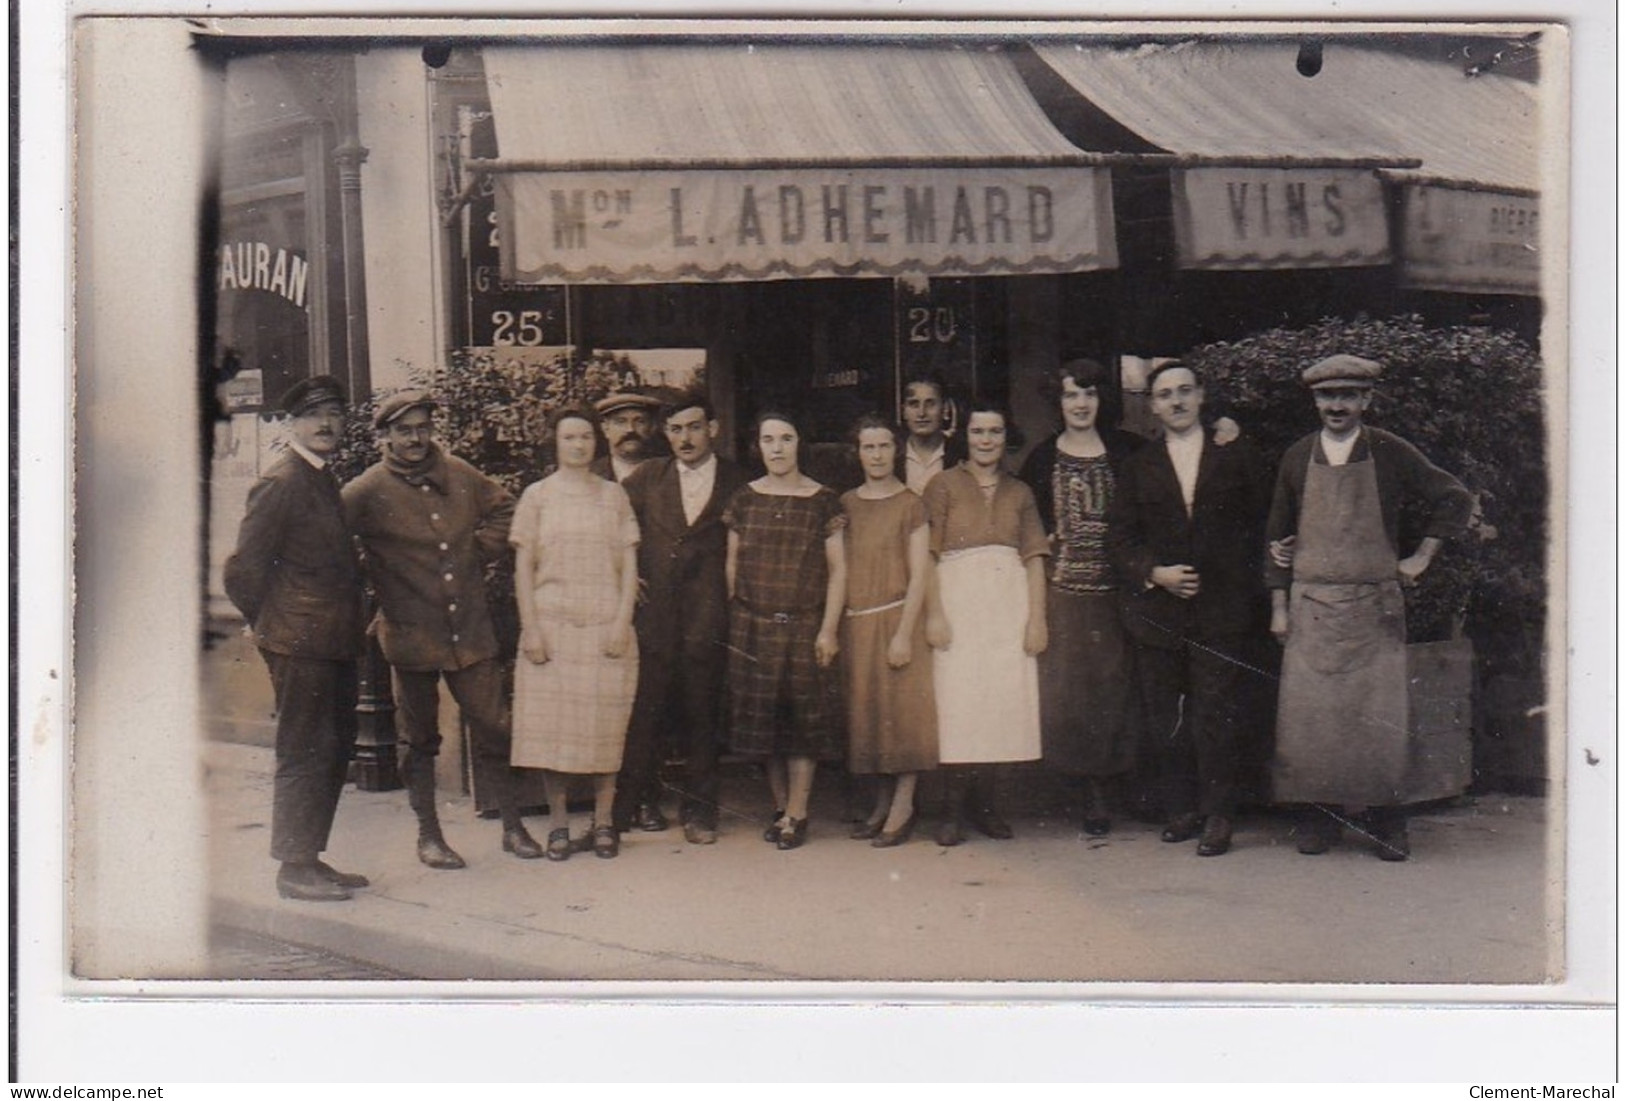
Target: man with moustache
(429,524)
(682,624)
(1185,536)
(628,423)
(294,576)
(1335,575)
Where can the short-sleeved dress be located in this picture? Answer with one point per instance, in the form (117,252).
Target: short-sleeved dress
(779,701)
(986,683)
(891,714)
(570,712)
(1086,673)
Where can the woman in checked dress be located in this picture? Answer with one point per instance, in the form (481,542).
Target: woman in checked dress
(786,580)
(576,581)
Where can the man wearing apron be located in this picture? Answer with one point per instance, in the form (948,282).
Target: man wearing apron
(1335,577)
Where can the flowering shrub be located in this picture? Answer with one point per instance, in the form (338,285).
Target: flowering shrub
(1471,399)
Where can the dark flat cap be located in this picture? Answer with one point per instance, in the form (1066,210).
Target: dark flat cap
(398,403)
(625,400)
(1342,370)
(308,393)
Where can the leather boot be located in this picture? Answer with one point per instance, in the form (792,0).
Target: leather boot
(432,848)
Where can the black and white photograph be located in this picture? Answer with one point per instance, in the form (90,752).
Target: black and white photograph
(960,512)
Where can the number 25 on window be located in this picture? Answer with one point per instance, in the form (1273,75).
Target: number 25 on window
(927,325)
(507,331)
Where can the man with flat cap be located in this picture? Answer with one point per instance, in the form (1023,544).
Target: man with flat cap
(1335,570)
(295,578)
(628,423)
(429,524)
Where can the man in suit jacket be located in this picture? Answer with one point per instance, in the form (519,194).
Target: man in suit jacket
(682,624)
(1185,535)
(294,576)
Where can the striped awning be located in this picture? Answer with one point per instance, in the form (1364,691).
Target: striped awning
(744,161)
(1282,166)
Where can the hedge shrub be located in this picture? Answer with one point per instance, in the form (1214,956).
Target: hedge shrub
(1471,399)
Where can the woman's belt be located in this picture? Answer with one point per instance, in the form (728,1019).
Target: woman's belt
(853,613)
(779,615)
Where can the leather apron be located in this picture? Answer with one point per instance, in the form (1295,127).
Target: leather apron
(1342,729)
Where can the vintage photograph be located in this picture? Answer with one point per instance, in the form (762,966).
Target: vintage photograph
(982,507)
(690,509)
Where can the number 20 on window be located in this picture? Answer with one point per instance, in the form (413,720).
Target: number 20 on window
(931,326)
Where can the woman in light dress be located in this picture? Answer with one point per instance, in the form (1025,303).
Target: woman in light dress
(886,665)
(576,582)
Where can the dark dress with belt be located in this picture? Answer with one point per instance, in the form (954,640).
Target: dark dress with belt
(780,702)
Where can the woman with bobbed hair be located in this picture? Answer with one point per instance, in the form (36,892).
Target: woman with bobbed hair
(990,549)
(1086,675)
(786,574)
(885,660)
(575,579)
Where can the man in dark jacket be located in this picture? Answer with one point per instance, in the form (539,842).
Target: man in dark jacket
(295,578)
(1185,535)
(429,524)
(682,623)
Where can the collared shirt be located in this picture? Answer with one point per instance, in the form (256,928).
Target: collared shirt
(697,484)
(920,467)
(1338,451)
(622,467)
(308,455)
(1186,454)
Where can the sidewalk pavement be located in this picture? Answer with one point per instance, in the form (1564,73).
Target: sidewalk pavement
(1471,906)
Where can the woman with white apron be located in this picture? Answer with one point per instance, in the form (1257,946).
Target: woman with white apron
(989,625)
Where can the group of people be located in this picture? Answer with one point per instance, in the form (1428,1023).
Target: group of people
(1098,611)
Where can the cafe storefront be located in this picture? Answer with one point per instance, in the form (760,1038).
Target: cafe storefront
(817,222)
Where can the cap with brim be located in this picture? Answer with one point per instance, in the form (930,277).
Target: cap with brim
(308,393)
(605,406)
(393,407)
(1342,371)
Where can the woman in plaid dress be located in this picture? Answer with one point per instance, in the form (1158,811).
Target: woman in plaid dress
(787,583)
(575,579)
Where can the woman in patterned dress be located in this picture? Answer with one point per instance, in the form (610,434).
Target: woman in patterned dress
(990,547)
(787,582)
(886,665)
(1085,674)
(575,579)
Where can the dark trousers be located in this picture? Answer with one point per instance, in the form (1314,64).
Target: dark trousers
(1192,699)
(478,692)
(315,734)
(678,703)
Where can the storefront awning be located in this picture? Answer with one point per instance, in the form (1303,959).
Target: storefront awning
(667,163)
(1280,166)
